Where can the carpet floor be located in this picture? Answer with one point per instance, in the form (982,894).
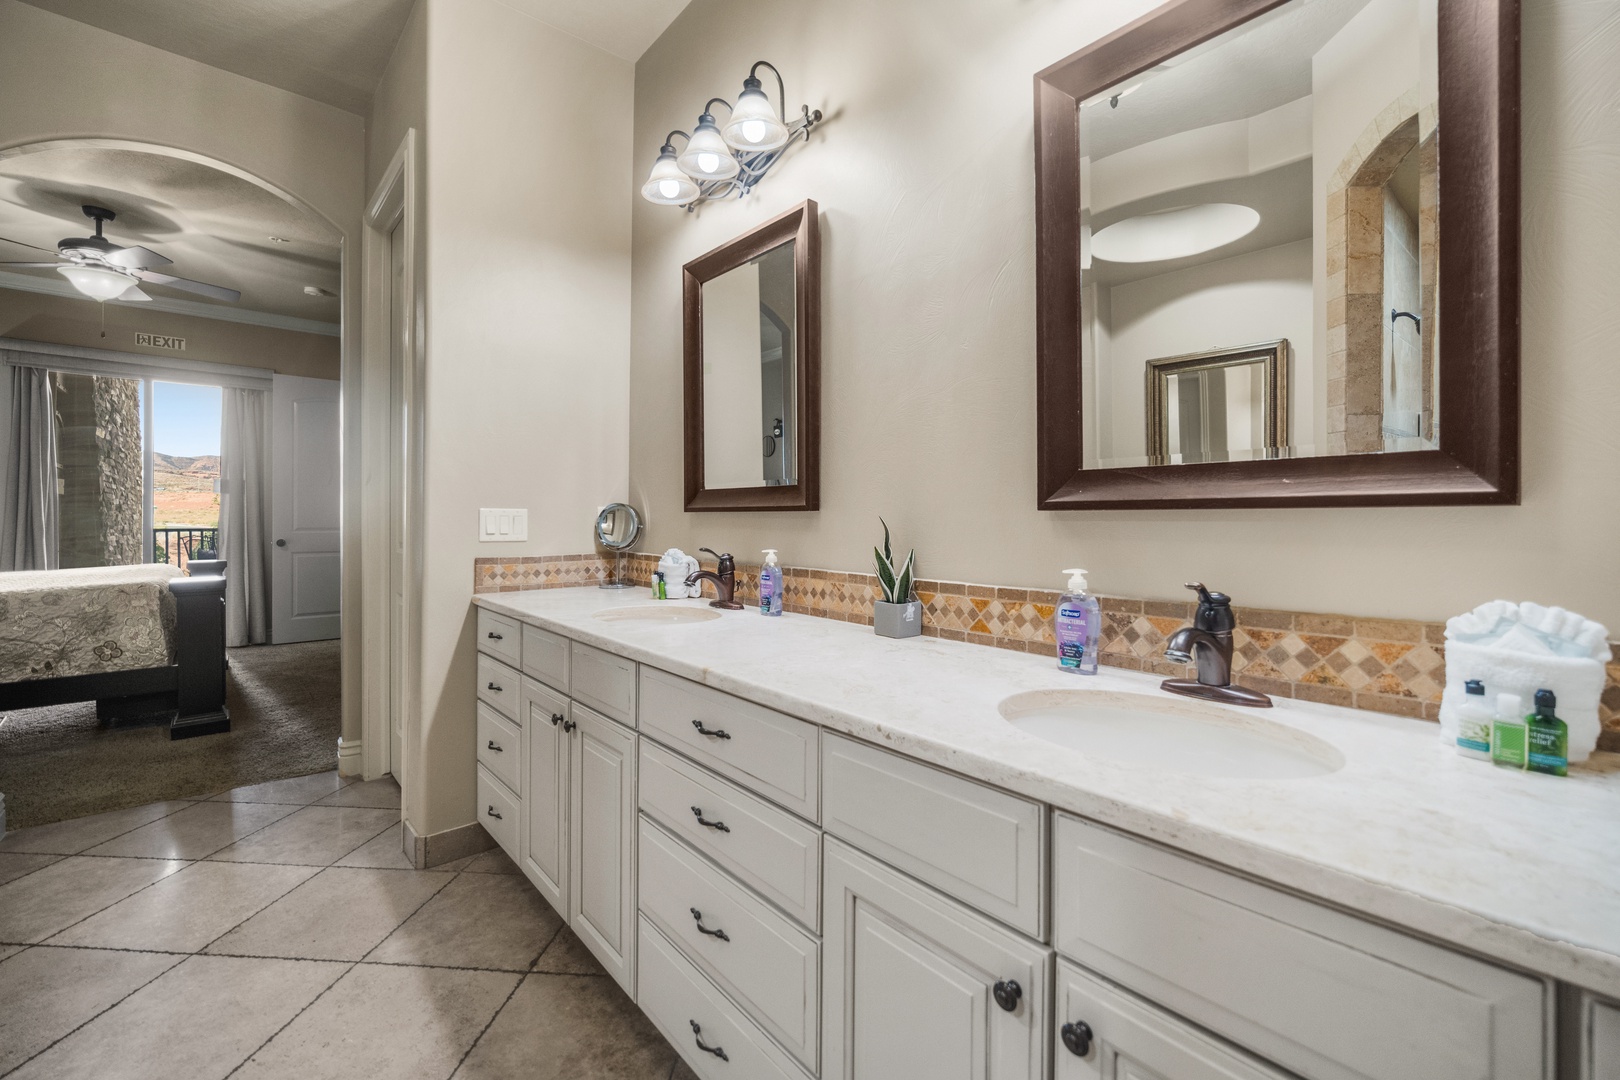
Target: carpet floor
(59,762)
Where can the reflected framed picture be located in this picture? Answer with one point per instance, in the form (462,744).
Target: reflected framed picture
(1223,405)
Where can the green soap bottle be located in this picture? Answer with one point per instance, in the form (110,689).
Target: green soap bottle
(1508,733)
(1548,737)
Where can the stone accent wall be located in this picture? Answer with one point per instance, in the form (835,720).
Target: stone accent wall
(1386,665)
(118,437)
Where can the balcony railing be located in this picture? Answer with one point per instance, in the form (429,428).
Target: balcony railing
(178,545)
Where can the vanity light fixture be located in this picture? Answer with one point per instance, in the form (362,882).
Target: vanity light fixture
(717,161)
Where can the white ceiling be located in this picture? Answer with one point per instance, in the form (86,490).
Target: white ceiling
(330,50)
(215,226)
(1249,70)
(335,50)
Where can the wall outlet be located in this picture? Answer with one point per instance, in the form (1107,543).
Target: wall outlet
(501,526)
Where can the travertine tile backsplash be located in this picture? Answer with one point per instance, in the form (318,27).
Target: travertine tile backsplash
(1388,665)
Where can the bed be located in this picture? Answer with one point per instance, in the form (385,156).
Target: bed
(137,640)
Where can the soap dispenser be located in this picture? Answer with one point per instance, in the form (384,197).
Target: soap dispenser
(1077,625)
(770,585)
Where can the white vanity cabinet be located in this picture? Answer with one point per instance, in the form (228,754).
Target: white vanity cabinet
(557,782)
(917,985)
(786,902)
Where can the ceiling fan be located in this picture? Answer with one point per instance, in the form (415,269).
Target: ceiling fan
(102,270)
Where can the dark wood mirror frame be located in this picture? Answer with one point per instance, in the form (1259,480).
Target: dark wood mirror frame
(802,226)
(1478,458)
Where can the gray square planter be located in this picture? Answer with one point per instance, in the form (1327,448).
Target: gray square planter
(897,620)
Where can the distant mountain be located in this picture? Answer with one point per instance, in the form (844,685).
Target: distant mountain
(206,466)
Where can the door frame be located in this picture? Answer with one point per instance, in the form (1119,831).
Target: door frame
(393,204)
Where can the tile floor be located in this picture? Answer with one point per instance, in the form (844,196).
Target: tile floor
(277,931)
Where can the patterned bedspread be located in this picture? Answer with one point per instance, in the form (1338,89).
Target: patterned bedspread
(86,621)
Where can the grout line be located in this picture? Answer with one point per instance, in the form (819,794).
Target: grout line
(55,858)
(56,933)
(261,910)
(465,1054)
(340,976)
(65,854)
(99,1013)
(409,917)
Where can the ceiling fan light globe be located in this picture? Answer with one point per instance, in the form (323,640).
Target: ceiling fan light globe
(753,126)
(99,283)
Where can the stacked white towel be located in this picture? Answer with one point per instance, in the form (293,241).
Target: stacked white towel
(1522,648)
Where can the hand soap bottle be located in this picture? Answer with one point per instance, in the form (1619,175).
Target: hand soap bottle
(1508,742)
(770,585)
(1474,723)
(1548,737)
(1077,624)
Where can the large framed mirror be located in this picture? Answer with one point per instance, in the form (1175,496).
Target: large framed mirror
(1223,173)
(752,351)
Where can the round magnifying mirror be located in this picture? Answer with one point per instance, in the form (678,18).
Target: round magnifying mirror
(617,527)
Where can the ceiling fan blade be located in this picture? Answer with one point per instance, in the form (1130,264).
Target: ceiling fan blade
(202,288)
(137,258)
(19,243)
(133,295)
(39,265)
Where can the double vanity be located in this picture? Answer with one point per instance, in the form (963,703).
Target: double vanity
(806,851)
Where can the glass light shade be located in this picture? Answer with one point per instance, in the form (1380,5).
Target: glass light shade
(707,157)
(667,184)
(99,283)
(754,126)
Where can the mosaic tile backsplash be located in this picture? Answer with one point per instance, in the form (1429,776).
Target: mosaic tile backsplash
(1387,665)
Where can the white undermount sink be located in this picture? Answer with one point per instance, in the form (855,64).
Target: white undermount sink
(1171,735)
(658,613)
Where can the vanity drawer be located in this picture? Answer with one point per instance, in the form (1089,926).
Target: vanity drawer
(763,750)
(499,636)
(500,747)
(498,686)
(983,846)
(498,812)
(1319,992)
(770,850)
(545,656)
(605,682)
(693,1015)
(769,966)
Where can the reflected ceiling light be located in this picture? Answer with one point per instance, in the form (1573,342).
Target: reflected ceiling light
(99,283)
(666,184)
(717,162)
(1174,234)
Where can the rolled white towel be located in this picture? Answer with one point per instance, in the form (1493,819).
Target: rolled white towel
(1522,648)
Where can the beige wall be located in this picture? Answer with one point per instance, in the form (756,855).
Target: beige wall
(132,92)
(924,175)
(529,184)
(63,320)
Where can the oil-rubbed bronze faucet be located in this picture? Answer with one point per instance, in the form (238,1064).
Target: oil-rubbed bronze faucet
(1208,643)
(725,581)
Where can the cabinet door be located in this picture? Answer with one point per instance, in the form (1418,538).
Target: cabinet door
(1604,1045)
(545,800)
(910,979)
(602,841)
(1125,1038)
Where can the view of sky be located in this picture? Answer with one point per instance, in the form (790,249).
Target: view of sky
(185,419)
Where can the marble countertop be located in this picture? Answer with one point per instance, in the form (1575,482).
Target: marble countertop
(1521,867)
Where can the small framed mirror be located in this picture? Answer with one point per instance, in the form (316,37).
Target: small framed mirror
(752,351)
(1225,405)
(1336,180)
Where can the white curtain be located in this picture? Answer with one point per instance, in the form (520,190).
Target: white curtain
(28,515)
(244,471)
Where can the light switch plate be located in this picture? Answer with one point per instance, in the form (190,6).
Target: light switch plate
(502,526)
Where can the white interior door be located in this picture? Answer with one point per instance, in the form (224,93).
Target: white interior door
(305,506)
(398,313)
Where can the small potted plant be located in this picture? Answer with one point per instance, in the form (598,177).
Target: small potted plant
(897,615)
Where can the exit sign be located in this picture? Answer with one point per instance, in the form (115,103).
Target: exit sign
(161,341)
